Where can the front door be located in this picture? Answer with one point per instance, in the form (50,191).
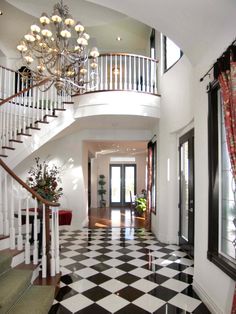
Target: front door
(186,192)
(122,182)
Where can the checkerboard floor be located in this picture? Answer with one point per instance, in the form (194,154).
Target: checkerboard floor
(124,271)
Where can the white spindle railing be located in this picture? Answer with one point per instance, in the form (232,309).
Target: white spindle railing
(25,217)
(25,111)
(126,72)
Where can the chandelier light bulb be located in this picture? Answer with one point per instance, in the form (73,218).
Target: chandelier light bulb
(86,36)
(69,21)
(29,37)
(46,33)
(56,18)
(79,27)
(83,71)
(82,41)
(65,33)
(22,47)
(35,28)
(29,59)
(41,68)
(94,52)
(93,65)
(44,19)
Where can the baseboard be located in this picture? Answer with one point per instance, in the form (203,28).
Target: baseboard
(213,308)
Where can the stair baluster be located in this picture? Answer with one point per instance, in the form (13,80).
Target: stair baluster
(12,225)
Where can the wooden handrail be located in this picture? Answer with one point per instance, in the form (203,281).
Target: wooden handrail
(23,91)
(31,191)
(127,54)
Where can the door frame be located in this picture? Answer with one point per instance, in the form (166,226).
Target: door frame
(122,183)
(187,245)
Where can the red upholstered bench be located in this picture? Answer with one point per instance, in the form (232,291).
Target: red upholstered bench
(65,216)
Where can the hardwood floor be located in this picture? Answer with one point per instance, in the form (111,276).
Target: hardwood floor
(115,217)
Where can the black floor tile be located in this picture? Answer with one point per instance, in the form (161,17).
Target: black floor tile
(163,293)
(97,293)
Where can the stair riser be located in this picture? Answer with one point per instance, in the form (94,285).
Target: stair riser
(18,259)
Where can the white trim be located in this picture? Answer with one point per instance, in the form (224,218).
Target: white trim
(213,308)
(4,243)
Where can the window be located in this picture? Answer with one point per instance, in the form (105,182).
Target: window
(172,53)
(222,210)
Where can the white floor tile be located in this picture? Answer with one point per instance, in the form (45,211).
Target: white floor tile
(113,254)
(140,272)
(137,262)
(113,262)
(175,285)
(157,254)
(172,247)
(76,303)
(112,303)
(89,262)
(113,272)
(92,254)
(153,247)
(86,272)
(167,272)
(66,261)
(69,253)
(144,285)
(135,254)
(149,303)
(113,285)
(82,285)
(185,302)
(178,253)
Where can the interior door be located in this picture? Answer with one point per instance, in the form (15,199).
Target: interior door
(186,192)
(122,181)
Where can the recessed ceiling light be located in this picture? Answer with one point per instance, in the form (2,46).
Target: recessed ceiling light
(118,38)
(1,13)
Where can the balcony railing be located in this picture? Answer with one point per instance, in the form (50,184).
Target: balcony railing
(120,71)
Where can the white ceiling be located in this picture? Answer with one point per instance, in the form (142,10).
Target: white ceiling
(196,26)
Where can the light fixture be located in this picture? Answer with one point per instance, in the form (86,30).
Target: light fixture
(118,38)
(116,71)
(1,13)
(57,50)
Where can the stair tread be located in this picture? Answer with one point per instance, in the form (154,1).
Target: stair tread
(37,298)
(12,284)
(5,261)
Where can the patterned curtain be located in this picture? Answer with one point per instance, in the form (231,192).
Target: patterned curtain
(149,179)
(225,72)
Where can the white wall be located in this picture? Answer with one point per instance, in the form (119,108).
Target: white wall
(184,104)
(176,88)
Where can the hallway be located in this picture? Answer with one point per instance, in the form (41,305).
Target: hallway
(123,270)
(113,217)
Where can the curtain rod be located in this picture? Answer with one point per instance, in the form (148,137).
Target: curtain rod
(207,73)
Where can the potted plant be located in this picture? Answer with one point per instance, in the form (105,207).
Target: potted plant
(44,180)
(140,206)
(101,190)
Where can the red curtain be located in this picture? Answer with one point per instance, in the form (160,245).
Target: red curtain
(225,72)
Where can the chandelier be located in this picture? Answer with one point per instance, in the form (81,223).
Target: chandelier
(57,51)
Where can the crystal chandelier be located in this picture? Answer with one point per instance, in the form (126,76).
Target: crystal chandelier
(57,51)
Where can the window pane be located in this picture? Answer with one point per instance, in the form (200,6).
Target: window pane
(129,182)
(115,184)
(184,190)
(227,209)
(173,53)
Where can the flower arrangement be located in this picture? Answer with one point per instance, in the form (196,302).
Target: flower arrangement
(44,180)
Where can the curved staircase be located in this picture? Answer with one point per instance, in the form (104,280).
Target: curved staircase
(17,293)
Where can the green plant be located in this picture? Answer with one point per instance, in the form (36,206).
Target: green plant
(44,180)
(141,205)
(101,182)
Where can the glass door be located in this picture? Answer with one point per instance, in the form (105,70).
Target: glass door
(186,192)
(122,181)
